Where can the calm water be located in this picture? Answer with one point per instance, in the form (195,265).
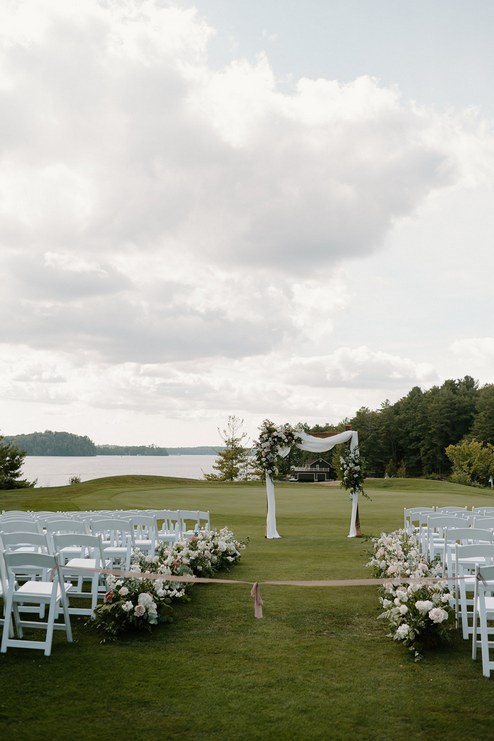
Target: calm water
(57,470)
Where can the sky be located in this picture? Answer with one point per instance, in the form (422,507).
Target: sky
(260,208)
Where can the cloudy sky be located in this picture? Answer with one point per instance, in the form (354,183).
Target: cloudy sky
(266,208)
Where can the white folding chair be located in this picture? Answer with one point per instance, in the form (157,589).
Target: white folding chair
(145,533)
(433,543)
(66,525)
(189,522)
(89,550)
(204,520)
(167,525)
(483,617)
(466,559)
(411,517)
(36,591)
(118,540)
(461,536)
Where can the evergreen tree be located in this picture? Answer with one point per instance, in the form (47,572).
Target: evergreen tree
(483,424)
(11,460)
(233,462)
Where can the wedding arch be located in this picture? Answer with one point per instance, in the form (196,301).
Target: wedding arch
(277,441)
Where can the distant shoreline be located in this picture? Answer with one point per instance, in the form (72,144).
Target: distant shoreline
(200,450)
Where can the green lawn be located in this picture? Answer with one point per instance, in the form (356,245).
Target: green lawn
(317,666)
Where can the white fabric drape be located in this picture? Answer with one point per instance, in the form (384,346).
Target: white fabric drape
(313,445)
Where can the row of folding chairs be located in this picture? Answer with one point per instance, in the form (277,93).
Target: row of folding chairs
(82,544)
(429,527)
(37,573)
(414,517)
(463,541)
(158,525)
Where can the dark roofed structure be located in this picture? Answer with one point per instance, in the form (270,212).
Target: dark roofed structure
(317,470)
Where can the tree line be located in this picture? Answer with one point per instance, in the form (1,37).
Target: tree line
(68,444)
(447,431)
(411,437)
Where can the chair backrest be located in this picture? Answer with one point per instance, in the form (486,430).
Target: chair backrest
(466,556)
(167,520)
(35,542)
(189,520)
(484,522)
(451,509)
(144,527)
(20,526)
(439,522)
(204,520)
(467,535)
(6,516)
(116,531)
(88,546)
(17,562)
(66,526)
(411,516)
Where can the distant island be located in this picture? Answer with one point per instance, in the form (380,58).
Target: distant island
(50,443)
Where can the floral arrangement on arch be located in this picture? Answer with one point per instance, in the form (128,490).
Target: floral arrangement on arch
(421,616)
(271,440)
(137,603)
(352,471)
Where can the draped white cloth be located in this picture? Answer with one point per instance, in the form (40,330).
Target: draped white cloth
(313,445)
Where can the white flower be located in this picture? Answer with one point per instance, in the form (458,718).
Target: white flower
(424,606)
(127,606)
(123,591)
(438,615)
(146,600)
(403,609)
(402,631)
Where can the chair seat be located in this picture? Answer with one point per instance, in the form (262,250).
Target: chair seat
(38,589)
(78,563)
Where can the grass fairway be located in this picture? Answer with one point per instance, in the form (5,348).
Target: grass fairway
(317,666)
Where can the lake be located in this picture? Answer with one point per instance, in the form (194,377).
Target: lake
(57,470)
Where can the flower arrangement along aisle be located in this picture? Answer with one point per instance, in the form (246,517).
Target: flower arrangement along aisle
(421,616)
(137,603)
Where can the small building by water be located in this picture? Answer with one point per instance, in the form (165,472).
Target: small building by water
(317,470)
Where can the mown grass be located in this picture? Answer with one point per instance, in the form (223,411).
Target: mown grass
(317,666)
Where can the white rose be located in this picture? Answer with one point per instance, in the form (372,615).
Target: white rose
(402,631)
(424,606)
(438,615)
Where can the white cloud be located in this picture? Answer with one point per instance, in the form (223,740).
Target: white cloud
(173,235)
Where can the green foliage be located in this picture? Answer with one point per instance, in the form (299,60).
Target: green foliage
(410,437)
(53,443)
(234,461)
(483,424)
(11,460)
(473,462)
